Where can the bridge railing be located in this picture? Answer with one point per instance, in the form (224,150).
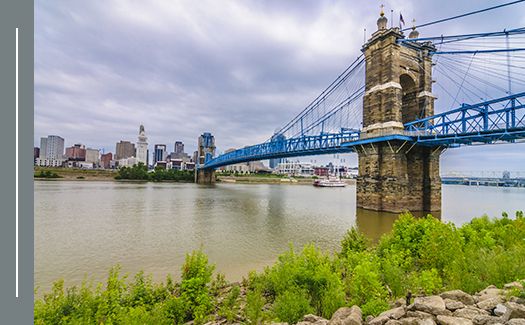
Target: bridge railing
(300,146)
(506,114)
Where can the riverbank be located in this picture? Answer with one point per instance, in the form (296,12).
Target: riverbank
(272,180)
(423,256)
(75,174)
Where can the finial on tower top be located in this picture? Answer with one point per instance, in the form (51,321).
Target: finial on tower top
(414,33)
(382,21)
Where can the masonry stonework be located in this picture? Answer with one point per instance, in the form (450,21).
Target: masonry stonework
(396,175)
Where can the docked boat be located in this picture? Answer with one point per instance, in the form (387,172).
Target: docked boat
(329,182)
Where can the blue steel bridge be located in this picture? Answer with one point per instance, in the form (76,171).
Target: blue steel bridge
(488,77)
(383,106)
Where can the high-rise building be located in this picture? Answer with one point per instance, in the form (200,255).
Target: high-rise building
(105,160)
(179,147)
(93,156)
(142,146)
(76,152)
(160,154)
(206,147)
(124,149)
(36,153)
(276,161)
(52,147)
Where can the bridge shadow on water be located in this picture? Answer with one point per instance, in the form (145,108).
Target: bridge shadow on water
(373,224)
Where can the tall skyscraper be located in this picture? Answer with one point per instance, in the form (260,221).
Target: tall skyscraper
(124,149)
(52,147)
(206,147)
(160,153)
(179,147)
(142,146)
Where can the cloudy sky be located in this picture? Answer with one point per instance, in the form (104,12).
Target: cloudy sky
(238,69)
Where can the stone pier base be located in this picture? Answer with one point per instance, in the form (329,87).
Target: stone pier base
(394,177)
(205,176)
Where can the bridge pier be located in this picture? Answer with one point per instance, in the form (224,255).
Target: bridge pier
(394,177)
(205,176)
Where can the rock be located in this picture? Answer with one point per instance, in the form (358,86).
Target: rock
(516,321)
(400,302)
(449,320)
(346,316)
(489,292)
(470,312)
(303,323)
(486,320)
(513,285)
(419,314)
(379,320)
(514,310)
(395,313)
(431,304)
(369,318)
(393,322)
(490,303)
(311,318)
(458,295)
(517,300)
(453,304)
(416,321)
(500,310)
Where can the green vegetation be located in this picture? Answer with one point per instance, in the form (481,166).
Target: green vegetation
(140,172)
(75,173)
(46,174)
(421,255)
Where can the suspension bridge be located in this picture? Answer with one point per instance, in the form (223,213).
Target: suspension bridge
(382,108)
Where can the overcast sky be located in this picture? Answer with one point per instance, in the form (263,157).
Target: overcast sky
(238,69)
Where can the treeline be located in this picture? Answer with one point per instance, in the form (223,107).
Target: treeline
(424,256)
(140,172)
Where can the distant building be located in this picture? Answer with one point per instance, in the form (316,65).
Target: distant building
(142,146)
(321,171)
(295,168)
(36,154)
(76,152)
(52,147)
(93,156)
(159,154)
(49,162)
(124,149)
(105,160)
(195,156)
(276,161)
(127,162)
(206,147)
(178,147)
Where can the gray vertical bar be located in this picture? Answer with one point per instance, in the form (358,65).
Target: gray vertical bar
(16,310)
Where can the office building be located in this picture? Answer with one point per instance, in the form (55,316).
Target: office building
(93,156)
(76,152)
(105,160)
(124,149)
(159,154)
(36,153)
(179,147)
(52,147)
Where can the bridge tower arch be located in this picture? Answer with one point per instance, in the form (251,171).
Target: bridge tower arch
(394,175)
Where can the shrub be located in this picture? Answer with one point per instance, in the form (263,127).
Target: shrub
(291,305)
(230,306)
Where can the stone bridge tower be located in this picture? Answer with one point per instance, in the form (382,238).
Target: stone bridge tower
(395,175)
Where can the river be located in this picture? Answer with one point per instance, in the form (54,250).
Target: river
(83,228)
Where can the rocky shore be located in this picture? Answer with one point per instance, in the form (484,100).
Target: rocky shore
(490,306)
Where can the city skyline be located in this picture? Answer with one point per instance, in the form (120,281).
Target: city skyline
(237,70)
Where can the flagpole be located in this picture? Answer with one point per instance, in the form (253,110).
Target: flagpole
(391,18)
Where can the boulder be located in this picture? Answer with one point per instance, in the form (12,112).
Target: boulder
(513,285)
(449,320)
(514,310)
(311,318)
(431,304)
(470,312)
(395,313)
(416,321)
(393,322)
(419,314)
(458,295)
(486,320)
(379,320)
(453,304)
(499,310)
(490,303)
(489,292)
(346,316)
(516,321)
